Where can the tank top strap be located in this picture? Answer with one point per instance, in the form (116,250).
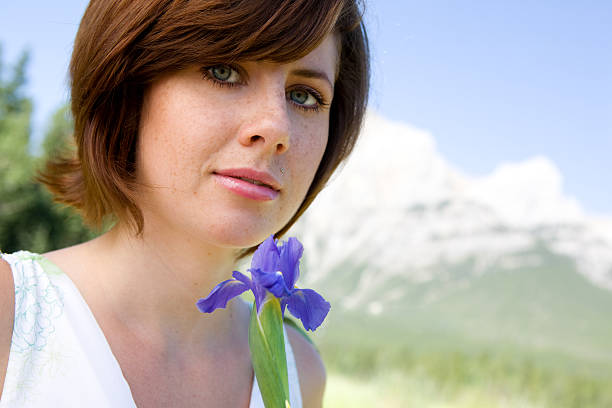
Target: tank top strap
(58,354)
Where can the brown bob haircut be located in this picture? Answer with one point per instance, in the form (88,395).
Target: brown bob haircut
(122,46)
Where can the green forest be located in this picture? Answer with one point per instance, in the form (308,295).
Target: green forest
(28,217)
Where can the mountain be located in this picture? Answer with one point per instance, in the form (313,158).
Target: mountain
(401,240)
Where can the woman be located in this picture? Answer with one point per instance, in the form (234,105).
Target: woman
(201,128)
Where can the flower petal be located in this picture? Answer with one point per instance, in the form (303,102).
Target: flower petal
(242,278)
(266,256)
(221,294)
(308,306)
(258,290)
(289,263)
(273,282)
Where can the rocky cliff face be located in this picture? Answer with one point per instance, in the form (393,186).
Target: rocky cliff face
(399,215)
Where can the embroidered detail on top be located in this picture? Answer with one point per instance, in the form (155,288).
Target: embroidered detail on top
(38,302)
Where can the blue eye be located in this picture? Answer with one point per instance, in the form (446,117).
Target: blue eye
(222,74)
(304,98)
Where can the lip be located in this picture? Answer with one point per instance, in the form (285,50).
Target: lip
(230,179)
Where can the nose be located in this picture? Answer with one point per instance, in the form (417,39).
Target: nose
(267,122)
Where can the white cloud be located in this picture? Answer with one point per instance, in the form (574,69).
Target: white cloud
(400,207)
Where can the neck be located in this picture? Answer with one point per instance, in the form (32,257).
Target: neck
(150,285)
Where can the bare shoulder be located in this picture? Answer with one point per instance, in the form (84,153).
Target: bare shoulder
(310,368)
(7,315)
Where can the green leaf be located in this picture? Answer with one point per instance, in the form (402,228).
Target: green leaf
(267,345)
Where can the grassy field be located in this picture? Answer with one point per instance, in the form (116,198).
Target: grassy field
(396,389)
(536,336)
(397,378)
(381,366)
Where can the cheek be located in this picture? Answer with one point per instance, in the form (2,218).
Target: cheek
(309,153)
(177,137)
(318,143)
(160,154)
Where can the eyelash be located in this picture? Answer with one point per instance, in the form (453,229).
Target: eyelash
(321,103)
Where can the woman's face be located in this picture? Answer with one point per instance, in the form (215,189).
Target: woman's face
(227,153)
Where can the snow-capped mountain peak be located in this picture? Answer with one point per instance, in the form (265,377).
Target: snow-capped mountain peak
(399,210)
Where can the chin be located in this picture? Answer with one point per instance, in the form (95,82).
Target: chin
(240,228)
(239,236)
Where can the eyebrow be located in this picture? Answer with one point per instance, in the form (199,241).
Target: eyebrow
(311,73)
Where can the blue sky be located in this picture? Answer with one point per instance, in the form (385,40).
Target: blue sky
(493,81)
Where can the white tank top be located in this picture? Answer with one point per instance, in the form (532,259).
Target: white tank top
(59,356)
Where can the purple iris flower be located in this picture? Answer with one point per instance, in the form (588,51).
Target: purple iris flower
(275,268)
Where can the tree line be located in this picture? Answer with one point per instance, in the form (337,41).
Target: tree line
(29,219)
